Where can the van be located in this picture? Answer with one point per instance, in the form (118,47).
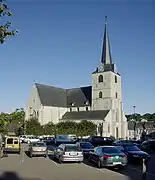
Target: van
(12,144)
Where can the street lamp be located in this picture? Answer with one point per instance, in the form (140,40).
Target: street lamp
(134,110)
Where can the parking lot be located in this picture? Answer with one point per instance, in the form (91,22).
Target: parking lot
(21,167)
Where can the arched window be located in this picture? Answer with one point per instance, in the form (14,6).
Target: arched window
(108,128)
(86,108)
(115,79)
(70,109)
(100,78)
(100,94)
(116,95)
(77,108)
(37,114)
(34,113)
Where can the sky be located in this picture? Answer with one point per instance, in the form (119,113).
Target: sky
(59,43)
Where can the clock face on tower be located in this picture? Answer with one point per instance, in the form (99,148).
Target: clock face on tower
(101,67)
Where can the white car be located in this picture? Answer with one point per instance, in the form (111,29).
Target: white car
(68,152)
(22,137)
(31,139)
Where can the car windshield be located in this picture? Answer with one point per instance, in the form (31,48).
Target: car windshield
(38,145)
(124,141)
(110,150)
(132,148)
(72,148)
(62,137)
(86,145)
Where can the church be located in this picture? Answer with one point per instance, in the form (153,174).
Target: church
(100,103)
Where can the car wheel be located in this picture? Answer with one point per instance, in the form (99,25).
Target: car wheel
(45,156)
(60,160)
(99,163)
(89,158)
(30,155)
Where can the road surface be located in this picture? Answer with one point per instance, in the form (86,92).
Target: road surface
(21,167)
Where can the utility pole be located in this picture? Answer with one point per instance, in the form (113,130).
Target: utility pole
(134,110)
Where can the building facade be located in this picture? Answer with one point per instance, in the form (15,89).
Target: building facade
(100,103)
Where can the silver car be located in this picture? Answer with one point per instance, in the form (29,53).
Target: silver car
(68,152)
(38,149)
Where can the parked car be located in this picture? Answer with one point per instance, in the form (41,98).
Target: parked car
(126,142)
(108,156)
(12,144)
(22,137)
(37,149)
(148,146)
(63,139)
(31,139)
(133,152)
(100,141)
(48,140)
(68,152)
(86,147)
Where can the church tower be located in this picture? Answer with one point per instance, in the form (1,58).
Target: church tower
(106,88)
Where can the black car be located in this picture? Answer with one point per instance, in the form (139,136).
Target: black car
(100,141)
(148,146)
(86,147)
(126,142)
(63,139)
(133,153)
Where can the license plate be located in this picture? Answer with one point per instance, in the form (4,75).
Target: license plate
(73,154)
(116,157)
(115,163)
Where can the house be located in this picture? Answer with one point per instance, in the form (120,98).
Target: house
(135,129)
(100,103)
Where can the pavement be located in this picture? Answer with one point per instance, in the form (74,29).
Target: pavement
(21,167)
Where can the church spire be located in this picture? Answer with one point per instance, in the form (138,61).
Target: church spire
(106,53)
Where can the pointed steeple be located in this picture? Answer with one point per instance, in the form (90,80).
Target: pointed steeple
(106,53)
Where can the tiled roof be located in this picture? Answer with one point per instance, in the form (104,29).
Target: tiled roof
(85,115)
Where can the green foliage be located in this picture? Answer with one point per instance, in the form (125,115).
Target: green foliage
(86,128)
(4,121)
(49,129)
(83,128)
(4,28)
(33,127)
(68,127)
(16,118)
(139,117)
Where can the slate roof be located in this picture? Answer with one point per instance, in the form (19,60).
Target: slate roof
(85,115)
(59,97)
(79,96)
(52,96)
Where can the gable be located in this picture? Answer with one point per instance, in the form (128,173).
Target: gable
(79,96)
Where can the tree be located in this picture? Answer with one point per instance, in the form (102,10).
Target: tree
(33,127)
(86,128)
(49,129)
(5,28)
(4,122)
(67,127)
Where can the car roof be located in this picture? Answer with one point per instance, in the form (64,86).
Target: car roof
(70,144)
(108,146)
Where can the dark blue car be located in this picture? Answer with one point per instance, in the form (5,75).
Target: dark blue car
(86,147)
